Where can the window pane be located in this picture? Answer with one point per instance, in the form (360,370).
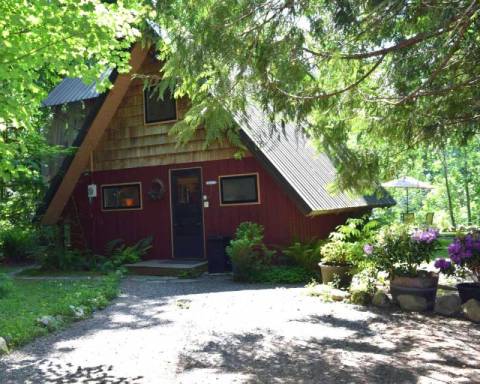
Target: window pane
(121,196)
(239,189)
(156,109)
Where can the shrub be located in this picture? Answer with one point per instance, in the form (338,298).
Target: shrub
(118,253)
(399,251)
(345,246)
(339,253)
(247,252)
(306,255)
(283,274)
(17,244)
(6,285)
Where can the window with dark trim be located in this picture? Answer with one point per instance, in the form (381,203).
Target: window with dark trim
(158,109)
(241,189)
(121,196)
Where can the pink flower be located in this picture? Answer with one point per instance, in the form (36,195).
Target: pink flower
(368,249)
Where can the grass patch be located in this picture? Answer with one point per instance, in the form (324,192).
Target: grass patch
(7,268)
(32,299)
(282,275)
(39,272)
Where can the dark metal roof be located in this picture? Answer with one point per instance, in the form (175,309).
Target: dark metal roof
(73,89)
(293,160)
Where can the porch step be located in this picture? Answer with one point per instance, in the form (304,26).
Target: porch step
(168,267)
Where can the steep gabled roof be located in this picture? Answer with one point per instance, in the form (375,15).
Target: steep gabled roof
(60,191)
(293,161)
(72,89)
(288,156)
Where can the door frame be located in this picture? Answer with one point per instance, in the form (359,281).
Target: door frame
(170,170)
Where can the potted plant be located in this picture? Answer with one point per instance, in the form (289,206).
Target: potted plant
(401,252)
(337,262)
(464,254)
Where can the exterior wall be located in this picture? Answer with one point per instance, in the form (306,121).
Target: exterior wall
(66,123)
(130,143)
(282,220)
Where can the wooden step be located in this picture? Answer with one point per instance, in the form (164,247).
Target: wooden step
(170,267)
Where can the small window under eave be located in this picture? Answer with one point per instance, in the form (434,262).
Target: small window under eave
(158,109)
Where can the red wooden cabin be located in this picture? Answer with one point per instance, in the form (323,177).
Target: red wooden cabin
(129,179)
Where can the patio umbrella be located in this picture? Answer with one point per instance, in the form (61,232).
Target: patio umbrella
(407,182)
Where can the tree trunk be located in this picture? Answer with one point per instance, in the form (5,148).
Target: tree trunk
(447,186)
(466,182)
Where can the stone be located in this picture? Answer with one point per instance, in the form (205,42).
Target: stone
(328,292)
(50,322)
(3,346)
(380,299)
(77,312)
(412,303)
(338,294)
(471,309)
(448,305)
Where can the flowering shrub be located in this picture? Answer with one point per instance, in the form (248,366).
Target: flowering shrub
(464,254)
(399,251)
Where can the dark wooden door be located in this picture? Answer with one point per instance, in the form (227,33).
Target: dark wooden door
(187,213)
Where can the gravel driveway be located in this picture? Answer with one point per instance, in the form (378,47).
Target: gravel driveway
(211,330)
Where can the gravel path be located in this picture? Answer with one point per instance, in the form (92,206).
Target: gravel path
(211,330)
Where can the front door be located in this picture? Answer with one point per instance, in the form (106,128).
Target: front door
(187,213)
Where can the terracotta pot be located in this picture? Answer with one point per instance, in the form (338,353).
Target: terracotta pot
(421,286)
(469,291)
(333,273)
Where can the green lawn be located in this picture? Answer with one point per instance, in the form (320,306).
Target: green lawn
(38,272)
(5,268)
(31,299)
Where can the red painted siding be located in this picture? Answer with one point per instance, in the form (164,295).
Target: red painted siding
(280,216)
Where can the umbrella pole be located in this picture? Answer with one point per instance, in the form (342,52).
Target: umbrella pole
(407,200)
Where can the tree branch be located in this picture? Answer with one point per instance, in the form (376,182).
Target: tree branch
(334,93)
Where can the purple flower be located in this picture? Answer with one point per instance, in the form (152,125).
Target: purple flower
(425,236)
(443,264)
(368,249)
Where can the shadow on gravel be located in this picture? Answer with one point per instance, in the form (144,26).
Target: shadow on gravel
(317,361)
(384,348)
(50,373)
(402,350)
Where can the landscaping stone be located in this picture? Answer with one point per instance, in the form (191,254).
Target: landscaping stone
(471,309)
(329,292)
(338,294)
(412,303)
(78,312)
(448,305)
(3,346)
(50,322)
(380,299)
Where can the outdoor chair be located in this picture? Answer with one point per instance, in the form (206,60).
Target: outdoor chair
(429,218)
(408,218)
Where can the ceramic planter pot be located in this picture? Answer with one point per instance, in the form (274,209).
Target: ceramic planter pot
(333,273)
(422,286)
(469,291)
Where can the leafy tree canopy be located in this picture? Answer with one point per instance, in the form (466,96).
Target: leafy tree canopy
(42,41)
(369,79)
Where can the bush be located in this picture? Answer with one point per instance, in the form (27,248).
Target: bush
(400,251)
(17,244)
(306,255)
(118,253)
(339,253)
(345,246)
(6,285)
(282,275)
(247,252)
